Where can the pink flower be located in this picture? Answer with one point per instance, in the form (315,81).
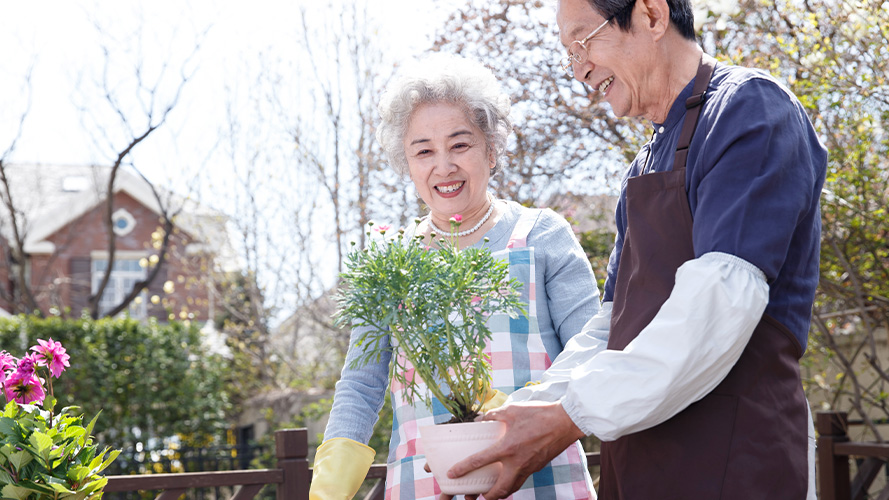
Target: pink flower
(52,355)
(27,365)
(457,218)
(24,389)
(7,362)
(383,228)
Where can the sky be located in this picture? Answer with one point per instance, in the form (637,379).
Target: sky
(61,42)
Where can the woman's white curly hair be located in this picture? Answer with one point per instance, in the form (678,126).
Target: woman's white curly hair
(446,78)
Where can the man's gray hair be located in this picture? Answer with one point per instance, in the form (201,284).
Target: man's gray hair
(444,78)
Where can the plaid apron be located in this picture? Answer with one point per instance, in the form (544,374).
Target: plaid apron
(518,356)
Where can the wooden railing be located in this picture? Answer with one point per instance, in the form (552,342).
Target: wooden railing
(291,477)
(834,453)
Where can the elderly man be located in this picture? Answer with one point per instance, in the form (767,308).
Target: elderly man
(710,284)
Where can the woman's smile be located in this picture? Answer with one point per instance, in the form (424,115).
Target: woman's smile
(450,189)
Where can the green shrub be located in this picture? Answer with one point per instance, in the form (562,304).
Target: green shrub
(151,381)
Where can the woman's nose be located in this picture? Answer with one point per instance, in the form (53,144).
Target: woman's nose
(445,164)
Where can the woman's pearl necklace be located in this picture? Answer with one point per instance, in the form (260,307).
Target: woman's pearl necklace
(468,231)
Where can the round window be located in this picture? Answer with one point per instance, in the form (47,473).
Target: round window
(122,222)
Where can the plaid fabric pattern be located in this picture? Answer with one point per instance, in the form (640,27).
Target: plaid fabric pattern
(518,356)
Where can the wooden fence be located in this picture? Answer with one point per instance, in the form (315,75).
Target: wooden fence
(291,476)
(836,453)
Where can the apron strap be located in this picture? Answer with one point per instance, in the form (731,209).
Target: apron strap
(694,104)
(519,237)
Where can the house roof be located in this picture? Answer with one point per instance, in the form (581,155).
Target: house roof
(49,197)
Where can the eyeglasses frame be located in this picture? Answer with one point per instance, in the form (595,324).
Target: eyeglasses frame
(567,62)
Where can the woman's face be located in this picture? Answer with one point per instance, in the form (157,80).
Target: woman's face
(448,160)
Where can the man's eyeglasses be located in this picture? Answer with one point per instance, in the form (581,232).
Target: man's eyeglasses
(577,51)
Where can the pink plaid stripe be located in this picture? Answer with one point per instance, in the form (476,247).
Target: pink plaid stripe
(517,243)
(502,360)
(539,361)
(426,487)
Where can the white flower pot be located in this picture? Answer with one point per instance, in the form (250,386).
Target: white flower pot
(447,444)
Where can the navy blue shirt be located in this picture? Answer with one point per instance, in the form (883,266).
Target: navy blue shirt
(754,177)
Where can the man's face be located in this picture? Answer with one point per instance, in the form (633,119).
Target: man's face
(615,61)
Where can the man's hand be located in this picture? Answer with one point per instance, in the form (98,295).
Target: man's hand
(535,433)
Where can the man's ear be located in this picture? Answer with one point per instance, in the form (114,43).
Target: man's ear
(654,16)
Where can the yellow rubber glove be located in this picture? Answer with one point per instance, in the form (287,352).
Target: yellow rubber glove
(341,465)
(495,400)
(493,397)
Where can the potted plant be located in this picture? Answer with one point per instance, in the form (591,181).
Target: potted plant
(433,305)
(44,454)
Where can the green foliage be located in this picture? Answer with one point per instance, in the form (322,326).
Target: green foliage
(433,305)
(597,245)
(39,461)
(150,380)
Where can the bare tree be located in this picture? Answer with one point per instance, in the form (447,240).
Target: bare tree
(138,106)
(134,124)
(22,298)
(299,140)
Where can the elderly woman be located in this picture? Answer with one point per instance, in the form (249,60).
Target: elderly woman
(444,123)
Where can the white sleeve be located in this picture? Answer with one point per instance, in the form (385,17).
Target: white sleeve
(684,353)
(592,339)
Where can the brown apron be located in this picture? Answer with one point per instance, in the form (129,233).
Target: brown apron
(746,439)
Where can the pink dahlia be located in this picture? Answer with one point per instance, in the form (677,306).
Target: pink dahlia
(52,355)
(7,362)
(27,365)
(24,388)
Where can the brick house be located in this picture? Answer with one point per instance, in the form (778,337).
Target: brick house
(61,210)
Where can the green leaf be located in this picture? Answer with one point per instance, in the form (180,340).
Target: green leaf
(89,428)
(20,459)
(7,426)
(49,402)
(60,488)
(111,458)
(5,478)
(11,409)
(37,487)
(94,486)
(75,496)
(41,442)
(78,473)
(16,492)
(74,432)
